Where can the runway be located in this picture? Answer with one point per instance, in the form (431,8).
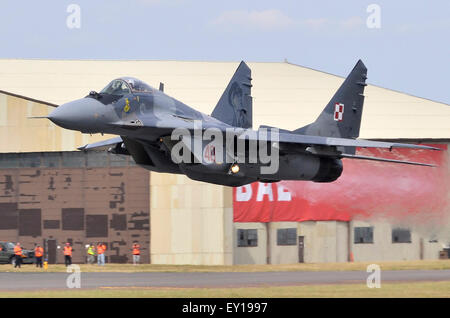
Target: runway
(36,281)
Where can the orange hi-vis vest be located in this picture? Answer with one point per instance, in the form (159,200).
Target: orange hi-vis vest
(101,249)
(38,252)
(18,250)
(136,249)
(68,250)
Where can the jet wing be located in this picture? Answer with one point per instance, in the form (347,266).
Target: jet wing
(102,145)
(330,141)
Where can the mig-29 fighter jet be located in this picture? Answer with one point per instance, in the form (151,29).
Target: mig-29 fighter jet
(164,135)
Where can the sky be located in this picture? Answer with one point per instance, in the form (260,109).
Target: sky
(404,44)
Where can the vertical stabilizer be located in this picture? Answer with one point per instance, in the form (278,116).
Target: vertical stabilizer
(342,115)
(235,106)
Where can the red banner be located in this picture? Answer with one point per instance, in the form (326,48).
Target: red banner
(365,188)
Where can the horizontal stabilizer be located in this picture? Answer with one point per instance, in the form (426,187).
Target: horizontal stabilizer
(387,160)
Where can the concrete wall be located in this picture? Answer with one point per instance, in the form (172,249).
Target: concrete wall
(331,241)
(191,221)
(253,254)
(282,254)
(382,247)
(325,241)
(263,254)
(431,249)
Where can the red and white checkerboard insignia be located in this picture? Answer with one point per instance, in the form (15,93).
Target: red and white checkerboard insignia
(338,112)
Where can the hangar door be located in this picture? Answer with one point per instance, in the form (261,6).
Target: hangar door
(75,197)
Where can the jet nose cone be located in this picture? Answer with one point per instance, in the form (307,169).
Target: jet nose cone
(58,115)
(81,115)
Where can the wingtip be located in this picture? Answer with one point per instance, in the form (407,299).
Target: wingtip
(415,146)
(419,146)
(361,63)
(242,63)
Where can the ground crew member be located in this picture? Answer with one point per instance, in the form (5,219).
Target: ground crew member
(101,248)
(136,253)
(68,254)
(91,254)
(38,253)
(18,255)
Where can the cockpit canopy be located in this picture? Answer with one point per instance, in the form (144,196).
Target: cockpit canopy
(126,85)
(116,87)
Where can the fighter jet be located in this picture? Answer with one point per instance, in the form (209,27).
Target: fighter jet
(164,135)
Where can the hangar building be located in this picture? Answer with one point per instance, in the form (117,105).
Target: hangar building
(51,193)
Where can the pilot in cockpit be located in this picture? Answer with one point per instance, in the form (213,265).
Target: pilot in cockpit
(122,87)
(116,87)
(137,86)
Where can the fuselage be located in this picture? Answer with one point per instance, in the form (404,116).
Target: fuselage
(146,118)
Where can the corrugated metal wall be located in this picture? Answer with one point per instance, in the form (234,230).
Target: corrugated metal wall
(75,197)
